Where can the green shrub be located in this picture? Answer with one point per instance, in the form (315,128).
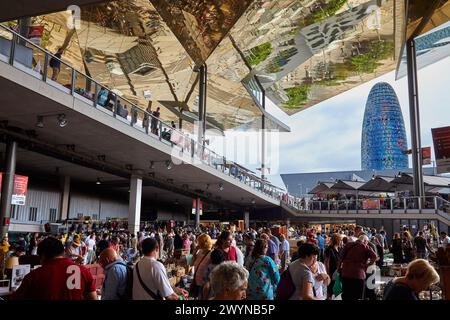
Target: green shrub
(297,95)
(259,54)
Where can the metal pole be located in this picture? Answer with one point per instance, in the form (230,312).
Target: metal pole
(414,118)
(7,187)
(201,105)
(263,145)
(12,50)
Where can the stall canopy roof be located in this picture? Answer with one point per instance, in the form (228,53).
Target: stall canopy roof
(380,184)
(347,185)
(321,187)
(406,178)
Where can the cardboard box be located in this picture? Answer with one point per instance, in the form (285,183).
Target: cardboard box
(173,281)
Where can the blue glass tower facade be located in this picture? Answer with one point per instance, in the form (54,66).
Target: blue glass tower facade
(383,132)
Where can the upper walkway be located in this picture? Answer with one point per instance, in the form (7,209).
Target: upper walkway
(429,208)
(99,125)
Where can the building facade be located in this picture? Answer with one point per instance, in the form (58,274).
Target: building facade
(383,133)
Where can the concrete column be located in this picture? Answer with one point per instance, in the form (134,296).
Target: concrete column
(197,212)
(134,206)
(246,220)
(7,187)
(64,202)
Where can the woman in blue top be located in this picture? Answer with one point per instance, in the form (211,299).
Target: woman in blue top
(264,275)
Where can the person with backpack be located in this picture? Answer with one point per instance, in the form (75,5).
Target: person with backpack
(297,282)
(116,276)
(263,274)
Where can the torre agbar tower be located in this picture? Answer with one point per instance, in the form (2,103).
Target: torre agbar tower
(383,133)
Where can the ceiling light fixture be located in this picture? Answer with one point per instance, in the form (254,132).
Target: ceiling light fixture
(220,186)
(152,164)
(168,164)
(98,181)
(40,122)
(62,121)
(253,201)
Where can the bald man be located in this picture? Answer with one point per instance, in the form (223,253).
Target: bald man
(115,284)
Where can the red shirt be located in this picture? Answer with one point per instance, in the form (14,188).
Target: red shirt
(231,255)
(52,282)
(312,241)
(355,256)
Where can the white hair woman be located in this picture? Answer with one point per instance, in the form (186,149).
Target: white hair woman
(229,281)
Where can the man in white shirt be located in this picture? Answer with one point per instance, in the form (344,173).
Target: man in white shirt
(150,280)
(445,239)
(90,243)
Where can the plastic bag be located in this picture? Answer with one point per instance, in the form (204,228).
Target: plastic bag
(337,287)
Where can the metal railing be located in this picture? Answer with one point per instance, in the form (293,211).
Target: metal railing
(370,205)
(85,88)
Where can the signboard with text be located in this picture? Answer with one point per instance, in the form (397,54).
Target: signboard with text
(441,141)
(194,206)
(19,196)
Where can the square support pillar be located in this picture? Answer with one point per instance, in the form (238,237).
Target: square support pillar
(134,206)
(246,220)
(64,202)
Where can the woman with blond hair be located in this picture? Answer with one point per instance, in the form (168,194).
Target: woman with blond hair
(200,261)
(420,275)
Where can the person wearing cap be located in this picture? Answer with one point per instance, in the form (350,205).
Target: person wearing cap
(75,250)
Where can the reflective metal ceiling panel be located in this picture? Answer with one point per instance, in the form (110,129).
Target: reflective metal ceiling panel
(306,51)
(200,25)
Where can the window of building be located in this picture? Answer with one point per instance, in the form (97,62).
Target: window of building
(33,214)
(52,217)
(95,217)
(14,212)
(80,215)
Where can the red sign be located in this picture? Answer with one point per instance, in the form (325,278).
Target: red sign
(370,204)
(441,141)
(20,189)
(194,206)
(426,155)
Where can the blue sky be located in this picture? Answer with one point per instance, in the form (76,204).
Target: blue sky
(327,137)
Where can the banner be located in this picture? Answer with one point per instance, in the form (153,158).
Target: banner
(426,155)
(370,204)
(441,141)
(35,34)
(194,206)
(20,189)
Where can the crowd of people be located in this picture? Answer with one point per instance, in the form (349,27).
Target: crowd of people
(254,264)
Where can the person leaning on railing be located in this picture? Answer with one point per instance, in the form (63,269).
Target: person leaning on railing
(55,63)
